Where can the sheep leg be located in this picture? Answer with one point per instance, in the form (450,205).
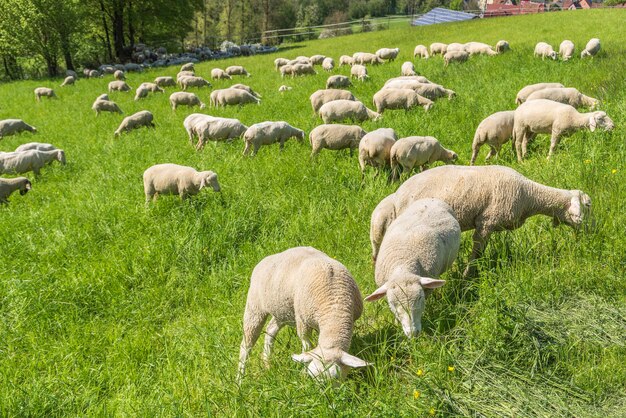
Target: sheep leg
(475,150)
(304,333)
(270,334)
(252,326)
(520,137)
(480,239)
(554,141)
(492,153)
(246,150)
(282,145)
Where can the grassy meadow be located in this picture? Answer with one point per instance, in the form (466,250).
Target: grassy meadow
(111,308)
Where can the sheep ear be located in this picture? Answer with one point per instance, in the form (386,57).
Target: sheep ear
(378,294)
(202,183)
(428,283)
(304,358)
(574,207)
(592,123)
(28,186)
(352,361)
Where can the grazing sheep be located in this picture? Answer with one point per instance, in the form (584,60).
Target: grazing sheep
(429,90)
(317,59)
(421,51)
(284,88)
(419,246)
(569,96)
(135,121)
(346,60)
(286,70)
(591,49)
(328,64)
(408,69)
(454,56)
(182,74)
(8,186)
(544,50)
(302,69)
(300,60)
(103,97)
(405,79)
(389,54)
(375,149)
(192,81)
(152,87)
(119,85)
(246,88)
(367,58)
(335,137)
(237,70)
(31,160)
(218,129)
(267,133)
(438,48)
(70,73)
(191,123)
(388,98)
(39,146)
(417,151)
(523,94)
(232,97)
(502,46)
(177,180)
(495,130)
(322,97)
(279,62)
(566,50)
(188,67)
(219,74)
(103,104)
(382,216)
(337,82)
(68,81)
(44,92)
(304,286)
(165,82)
(359,72)
(181,98)
(544,116)
(455,46)
(339,110)
(14,126)
(93,74)
(141,93)
(479,48)
(119,75)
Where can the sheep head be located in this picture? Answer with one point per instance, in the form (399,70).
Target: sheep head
(25,187)
(577,210)
(600,119)
(209,178)
(61,157)
(329,364)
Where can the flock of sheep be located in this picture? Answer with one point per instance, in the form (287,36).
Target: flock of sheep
(415,232)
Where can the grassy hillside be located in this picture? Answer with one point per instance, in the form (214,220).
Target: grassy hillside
(109,308)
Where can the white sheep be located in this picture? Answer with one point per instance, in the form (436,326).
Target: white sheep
(389,98)
(382,216)
(495,130)
(566,50)
(8,186)
(304,286)
(455,46)
(544,116)
(359,72)
(237,70)
(103,104)
(14,126)
(40,146)
(431,91)
(479,48)
(405,79)
(279,62)
(523,94)
(30,160)
(135,121)
(93,74)
(569,95)
(337,82)
(182,98)
(419,246)
(71,73)
(437,48)
(321,97)
(389,54)
(421,51)
(141,93)
(219,74)
(188,67)
(246,88)
(192,122)
(152,87)
(375,149)
(335,137)
(286,70)
(302,69)
(317,59)
(346,60)
(367,58)
(165,81)
(267,133)
(119,75)
(174,179)
(591,49)
(232,97)
(502,46)
(408,69)
(284,88)
(218,129)
(68,81)
(192,81)
(300,60)
(182,74)
(44,92)
(119,85)
(543,50)
(339,110)
(328,64)
(418,151)
(454,56)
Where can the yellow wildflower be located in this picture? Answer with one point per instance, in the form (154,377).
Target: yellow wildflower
(587,161)
(420,372)
(614,171)
(432,411)
(416,394)
(450,368)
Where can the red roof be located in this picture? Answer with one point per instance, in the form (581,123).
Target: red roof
(525,7)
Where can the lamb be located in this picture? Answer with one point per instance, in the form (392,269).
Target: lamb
(502,46)
(454,56)
(418,151)
(177,180)
(181,98)
(219,74)
(237,70)
(544,50)
(188,67)
(523,94)
(591,49)
(317,59)
(569,96)
(566,50)
(321,97)
(135,121)
(283,88)
(359,72)
(279,62)
(44,92)
(335,137)
(339,110)
(68,81)
(40,146)
(429,90)
(438,48)
(267,133)
(246,88)
(389,98)
(544,116)
(328,64)
(419,246)
(492,198)
(305,286)
(346,60)
(421,51)
(14,126)
(218,129)
(367,58)
(105,105)
(302,69)
(495,130)
(375,149)
(232,97)
(119,75)
(31,160)
(165,82)
(389,54)
(8,186)
(337,82)
(476,48)
(119,86)
(192,81)
(408,69)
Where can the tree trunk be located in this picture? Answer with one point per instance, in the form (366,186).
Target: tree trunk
(131,28)
(11,68)
(67,52)
(106,31)
(118,29)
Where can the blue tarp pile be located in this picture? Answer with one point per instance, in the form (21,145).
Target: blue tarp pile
(441,15)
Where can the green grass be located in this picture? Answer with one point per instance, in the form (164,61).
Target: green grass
(109,308)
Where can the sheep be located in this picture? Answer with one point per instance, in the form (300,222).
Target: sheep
(174,179)
(40,146)
(455,46)
(321,97)
(591,49)
(217,129)
(491,198)
(181,98)
(191,123)
(192,81)
(93,74)
(523,94)
(438,48)
(339,110)
(305,286)
(246,88)
(188,67)
(14,126)
(417,151)
(71,73)
(30,160)
(182,74)
(367,58)
(8,186)
(152,87)
(119,86)
(237,70)
(279,62)
(389,54)
(337,82)
(135,121)
(421,51)
(495,130)
(544,50)
(317,59)
(428,90)
(44,92)
(141,93)
(68,81)
(286,70)
(283,88)
(300,60)
(165,82)
(103,97)
(303,69)
(232,97)
(359,72)
(119,75)
(131,66)
(566,50)
(544,116)
(408,69)
(569,96)
(502,46)
(267,133)
(335,137)
(105,105)
(375,149)
(405,79)
(454,56)
(388,98)
(219,74)
(382,216)
(476,48)
(346,60)
(420,245)
(328,64)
